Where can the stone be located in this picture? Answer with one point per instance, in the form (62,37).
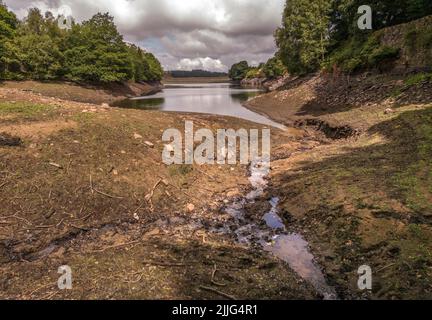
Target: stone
(149,144)
(137,136)
(190,207)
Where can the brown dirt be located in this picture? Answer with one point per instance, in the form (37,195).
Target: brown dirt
(95,94)
(76,193)
(366,199)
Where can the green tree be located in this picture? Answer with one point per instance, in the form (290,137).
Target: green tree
(239,71)
(155,71)
(94,51)
(8,25)
(97,52)
(305,34)
(274,68)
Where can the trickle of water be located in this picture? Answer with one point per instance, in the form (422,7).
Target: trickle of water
(291,248)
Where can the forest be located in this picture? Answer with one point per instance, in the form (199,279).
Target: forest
(93,51)
(324,34)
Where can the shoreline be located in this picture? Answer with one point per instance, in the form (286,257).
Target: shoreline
(85,93)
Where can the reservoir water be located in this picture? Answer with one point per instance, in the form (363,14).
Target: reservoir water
(223,99)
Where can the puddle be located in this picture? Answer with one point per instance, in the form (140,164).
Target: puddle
(273,237)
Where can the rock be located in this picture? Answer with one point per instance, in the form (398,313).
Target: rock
(137,136)
(105,105)
(232,194)
(190,207)
(136,216)
(389,111)
(149,144)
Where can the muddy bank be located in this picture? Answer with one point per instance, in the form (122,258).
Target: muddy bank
(85,93)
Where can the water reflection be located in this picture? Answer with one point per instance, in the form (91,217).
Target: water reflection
(212,98)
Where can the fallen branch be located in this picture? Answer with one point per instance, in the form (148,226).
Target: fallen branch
(206,174)
(107,195)
(53,164)
(115,246)
(93,190)
(222,294)
(149,197)
(213,278)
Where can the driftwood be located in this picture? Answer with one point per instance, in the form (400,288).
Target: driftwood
(220,293)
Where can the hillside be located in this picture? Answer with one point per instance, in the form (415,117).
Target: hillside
(364,195)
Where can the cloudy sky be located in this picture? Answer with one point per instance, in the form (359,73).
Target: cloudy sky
(184,34)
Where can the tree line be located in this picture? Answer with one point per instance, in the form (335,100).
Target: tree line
(92,51)
(324,34)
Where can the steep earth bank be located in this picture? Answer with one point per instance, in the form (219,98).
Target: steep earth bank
(363,196)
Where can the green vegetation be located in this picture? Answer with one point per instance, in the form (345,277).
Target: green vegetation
(304,36)
(24,109)
(239,71)
(273,69)
(357,54)
(93,51)
(418,79)
(415,180)
(325,33)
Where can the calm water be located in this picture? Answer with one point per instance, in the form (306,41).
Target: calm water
(218,98)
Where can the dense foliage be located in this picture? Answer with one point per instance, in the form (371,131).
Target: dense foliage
(324,32)
(239,71)
(93,51)
(272,69)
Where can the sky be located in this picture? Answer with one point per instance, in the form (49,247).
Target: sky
(183,34)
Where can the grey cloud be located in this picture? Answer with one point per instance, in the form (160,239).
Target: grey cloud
(219,29)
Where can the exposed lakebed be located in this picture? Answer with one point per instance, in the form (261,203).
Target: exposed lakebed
(270,233)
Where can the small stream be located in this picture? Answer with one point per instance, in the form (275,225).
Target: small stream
(272,235)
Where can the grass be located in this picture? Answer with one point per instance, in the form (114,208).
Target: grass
(24,109)
(361,53)
(415,181)
(418,79)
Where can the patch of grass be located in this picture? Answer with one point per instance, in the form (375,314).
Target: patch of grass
(418,79)
(24,109)
(183,170)
(83,117)
(361,53)
(415,181)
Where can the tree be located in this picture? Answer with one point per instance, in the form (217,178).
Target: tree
(305,34)
(155,72)
(274,68)
(8,25)
(239,71)
(94,51)
(97,52)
